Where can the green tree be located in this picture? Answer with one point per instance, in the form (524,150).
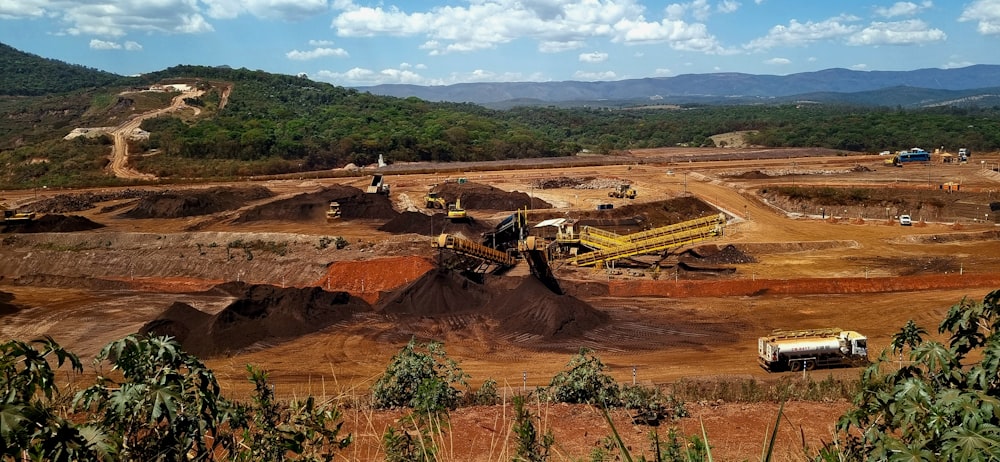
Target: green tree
(941,406)
(529,447)
(163,405)
(30,426)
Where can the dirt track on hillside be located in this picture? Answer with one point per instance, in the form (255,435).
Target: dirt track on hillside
(693,317)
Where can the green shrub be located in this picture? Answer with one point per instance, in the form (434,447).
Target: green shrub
(420,376)
(585,382)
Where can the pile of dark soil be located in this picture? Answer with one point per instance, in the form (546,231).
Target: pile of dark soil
(260,313)
(438,292)
(637,217)
(54,224)
(561,182)
(354,204)
(196,202)
(432,225)
(728,255)
(518,305)
(66,203)
(533,308)
(6,304)
(750,175)
(485,197)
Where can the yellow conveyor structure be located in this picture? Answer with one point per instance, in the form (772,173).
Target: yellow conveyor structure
(472,249)
(646,242)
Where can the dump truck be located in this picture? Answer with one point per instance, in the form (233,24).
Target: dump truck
(377,185)
(796,350)
(623,191)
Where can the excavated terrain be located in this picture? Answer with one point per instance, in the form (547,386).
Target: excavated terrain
(252,272)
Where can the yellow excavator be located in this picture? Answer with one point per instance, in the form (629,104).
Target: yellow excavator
(456,212)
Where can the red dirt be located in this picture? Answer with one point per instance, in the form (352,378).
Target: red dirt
(368,279)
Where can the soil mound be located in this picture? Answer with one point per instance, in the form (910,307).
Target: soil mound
(368,279)
(354,204)
(433,225)
(436,293)
(261,313)
(637,217)
(727,255)
(532,308)
(54,224)
(485,197)
(6,304)
(67,203)
(750,175)
(561,182)
(190,203)
(518,306)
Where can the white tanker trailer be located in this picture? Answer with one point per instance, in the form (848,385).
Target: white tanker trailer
(794,350)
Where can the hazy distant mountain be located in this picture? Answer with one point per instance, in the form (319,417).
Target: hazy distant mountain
(731,86)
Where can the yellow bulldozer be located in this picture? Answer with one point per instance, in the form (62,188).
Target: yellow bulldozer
(434,201)
(333,213)
(624,191)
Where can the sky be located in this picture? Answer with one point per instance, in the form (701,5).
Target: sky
(441,42)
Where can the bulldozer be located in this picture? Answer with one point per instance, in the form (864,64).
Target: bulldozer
(624,191)
(433,201)
(334,211)
(456,212)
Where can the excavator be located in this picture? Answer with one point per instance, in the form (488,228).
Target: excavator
(456,212)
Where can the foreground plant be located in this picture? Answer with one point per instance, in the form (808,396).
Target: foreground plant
(30,426)
(941,405)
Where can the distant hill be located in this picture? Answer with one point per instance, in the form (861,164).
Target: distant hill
(25,74)
(722,87)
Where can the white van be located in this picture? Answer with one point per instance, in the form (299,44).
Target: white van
(904,220)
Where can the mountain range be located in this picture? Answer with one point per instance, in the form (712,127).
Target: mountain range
(919,87)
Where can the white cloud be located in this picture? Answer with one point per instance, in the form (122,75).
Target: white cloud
(593,57)
(320,43)
(606,75)
(957,64)
(728,6)
(104,45)
(799,34)
(557,47)
(557,25)
(316,53)
(778,61)
(698,9)
(987,15)
(910,32)
(286,10)
(362,77)
(662,72)
(132,46)
(902,9)
(109,18)
(859,67)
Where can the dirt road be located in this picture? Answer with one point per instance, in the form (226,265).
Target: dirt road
(119,153)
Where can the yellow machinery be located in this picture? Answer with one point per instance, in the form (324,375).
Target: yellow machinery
(334,212)
(456,212)
(647,242)
(433,201)
(624,191)
(486,256)
(14,216)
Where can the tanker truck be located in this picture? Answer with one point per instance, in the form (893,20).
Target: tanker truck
(795,350)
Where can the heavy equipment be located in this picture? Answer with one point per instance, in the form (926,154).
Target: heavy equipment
(14,216)
(624,191)
(333,212)
(434,201)
(796,350)
(456,212)
(378,185)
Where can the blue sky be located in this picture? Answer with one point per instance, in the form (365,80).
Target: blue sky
(442,42)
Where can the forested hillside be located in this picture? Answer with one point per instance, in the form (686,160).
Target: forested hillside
(273,124)
(26,74)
